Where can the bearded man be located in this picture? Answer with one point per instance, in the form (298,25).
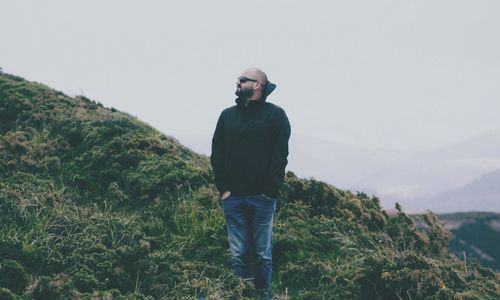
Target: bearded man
(249,156)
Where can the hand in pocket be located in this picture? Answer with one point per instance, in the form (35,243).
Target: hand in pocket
(226,195)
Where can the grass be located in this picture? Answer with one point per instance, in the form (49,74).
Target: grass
(96,204)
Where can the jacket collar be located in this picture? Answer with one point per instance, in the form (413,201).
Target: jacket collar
(252,104)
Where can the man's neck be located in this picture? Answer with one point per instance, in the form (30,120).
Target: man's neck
(253,98)
(246,101)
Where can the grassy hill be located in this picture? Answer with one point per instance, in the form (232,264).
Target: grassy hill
(95,204)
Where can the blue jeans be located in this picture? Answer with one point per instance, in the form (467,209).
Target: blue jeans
(249,226)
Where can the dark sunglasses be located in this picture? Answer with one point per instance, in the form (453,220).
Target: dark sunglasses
(243,79)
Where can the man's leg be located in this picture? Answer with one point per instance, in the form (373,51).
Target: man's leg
(262,227)
(238,225)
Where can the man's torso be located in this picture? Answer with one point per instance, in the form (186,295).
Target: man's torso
(249,135)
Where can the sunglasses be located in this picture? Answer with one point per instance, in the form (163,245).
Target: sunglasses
(243,79)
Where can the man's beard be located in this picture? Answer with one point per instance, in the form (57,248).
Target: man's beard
(244,93)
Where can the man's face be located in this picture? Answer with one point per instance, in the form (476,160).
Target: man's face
(244,86)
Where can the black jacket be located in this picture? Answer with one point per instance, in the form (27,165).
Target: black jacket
(250,148)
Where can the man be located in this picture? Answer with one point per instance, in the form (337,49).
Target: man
(249,156)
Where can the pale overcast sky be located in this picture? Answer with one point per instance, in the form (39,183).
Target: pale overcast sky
(403,75)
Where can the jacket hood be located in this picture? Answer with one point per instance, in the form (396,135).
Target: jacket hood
(268,89)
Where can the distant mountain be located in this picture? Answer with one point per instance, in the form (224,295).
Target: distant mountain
(428,173)
(482,194)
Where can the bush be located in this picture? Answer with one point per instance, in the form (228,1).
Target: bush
(54,287)
(6,294)
(13,276)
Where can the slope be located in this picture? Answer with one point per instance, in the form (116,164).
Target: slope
(95,203)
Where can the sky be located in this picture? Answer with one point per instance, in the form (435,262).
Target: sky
(400,75)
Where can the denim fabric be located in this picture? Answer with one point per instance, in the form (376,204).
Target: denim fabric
(249,227)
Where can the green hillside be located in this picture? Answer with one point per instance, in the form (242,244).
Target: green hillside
(95,204)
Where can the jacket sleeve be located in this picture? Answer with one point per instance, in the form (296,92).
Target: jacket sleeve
(218,156)
(281,135)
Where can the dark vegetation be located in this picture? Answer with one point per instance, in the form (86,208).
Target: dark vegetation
(476,237)
(95,204)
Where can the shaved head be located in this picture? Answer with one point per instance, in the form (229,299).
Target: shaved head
(251,88)
(257,74)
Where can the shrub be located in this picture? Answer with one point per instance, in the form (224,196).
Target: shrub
(13,276)
(6,294)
